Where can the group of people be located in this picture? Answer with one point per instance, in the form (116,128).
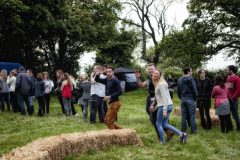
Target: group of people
(21,87)
(192,93)
(101,92)
(102,89)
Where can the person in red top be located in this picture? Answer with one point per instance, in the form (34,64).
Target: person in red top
(233,87)
(222,106)
(66,89)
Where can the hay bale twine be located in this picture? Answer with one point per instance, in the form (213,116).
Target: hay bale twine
(58,147)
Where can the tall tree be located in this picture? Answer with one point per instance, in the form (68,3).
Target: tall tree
(182,49)
(152,22)
(118,52)
(54,33)
(217,24)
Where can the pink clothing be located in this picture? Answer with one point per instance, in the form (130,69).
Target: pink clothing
(233,86)
(220,95)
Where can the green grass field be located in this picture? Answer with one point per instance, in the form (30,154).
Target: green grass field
(17,130)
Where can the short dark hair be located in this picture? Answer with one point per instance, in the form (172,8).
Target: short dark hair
(39,77)
(110,67)
(233,68)
(186,70)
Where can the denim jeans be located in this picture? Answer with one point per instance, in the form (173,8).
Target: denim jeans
(21,100)
(85,104)
(96,105)
(188,105)
(67,106)
(162,122)
(234,110)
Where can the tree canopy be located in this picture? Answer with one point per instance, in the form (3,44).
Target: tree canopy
(217,24)
(54,33)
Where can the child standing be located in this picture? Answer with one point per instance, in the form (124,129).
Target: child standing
(40,94)
(222,105)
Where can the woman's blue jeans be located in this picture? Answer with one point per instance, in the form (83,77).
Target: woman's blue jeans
(162,122)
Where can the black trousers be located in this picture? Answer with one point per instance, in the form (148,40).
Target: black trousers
(59,94)
(225,123)
(47,103)
(41,104)
(13,101)
(73,108)
(206,123)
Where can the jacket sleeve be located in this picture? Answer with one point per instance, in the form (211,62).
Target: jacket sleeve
(18,81)
(195,92)
(118,90)
(100,80)
(237,84)
(178,90)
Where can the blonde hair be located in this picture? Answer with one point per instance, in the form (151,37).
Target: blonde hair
(161,79)
(4,74)
(72,80)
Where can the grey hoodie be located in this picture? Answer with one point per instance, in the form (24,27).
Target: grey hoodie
(187,89)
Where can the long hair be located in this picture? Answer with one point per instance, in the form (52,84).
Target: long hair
(161,79)
(219,80)
(4,74)
(66,77)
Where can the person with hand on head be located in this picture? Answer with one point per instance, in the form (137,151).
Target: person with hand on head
(98,92)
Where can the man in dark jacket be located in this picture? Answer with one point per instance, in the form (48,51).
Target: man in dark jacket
(187,92)
(204,87)
(113,91)
(24,90)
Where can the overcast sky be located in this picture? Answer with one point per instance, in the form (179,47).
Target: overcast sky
(177,12)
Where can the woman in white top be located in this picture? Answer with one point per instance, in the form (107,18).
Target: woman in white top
(48,88)
(163,104)
(11,81)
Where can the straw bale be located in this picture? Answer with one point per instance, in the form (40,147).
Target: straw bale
(177,112)
(58,147)
(214,117)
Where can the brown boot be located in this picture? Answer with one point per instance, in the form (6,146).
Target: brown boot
(169,134)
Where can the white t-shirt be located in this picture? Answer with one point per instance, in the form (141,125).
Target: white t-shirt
(48,86)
